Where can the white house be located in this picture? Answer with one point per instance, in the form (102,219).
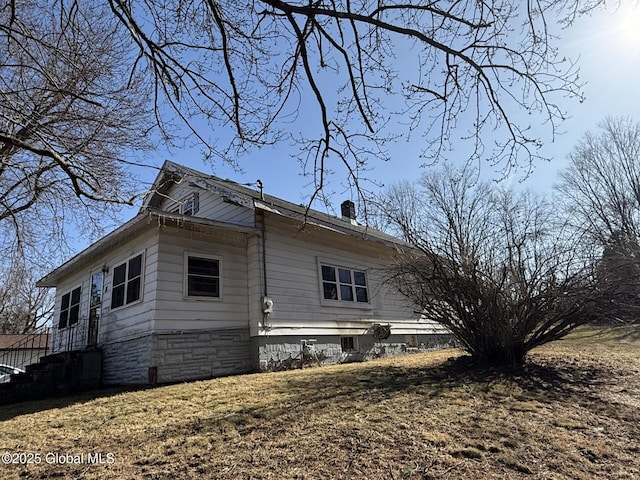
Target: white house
(213,278)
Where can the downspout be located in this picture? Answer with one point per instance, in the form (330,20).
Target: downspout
(266,310)
(264,254)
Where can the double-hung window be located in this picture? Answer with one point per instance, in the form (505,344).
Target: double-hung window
(344,284)
(70,308)
(203,274)
(127,282)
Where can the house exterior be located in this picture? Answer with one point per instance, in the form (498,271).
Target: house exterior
(213,278)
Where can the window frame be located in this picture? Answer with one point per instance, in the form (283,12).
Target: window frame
(188,205)
(191,201)
(349,339)
(67,322)
(339,302)
(185,277)
(127,281)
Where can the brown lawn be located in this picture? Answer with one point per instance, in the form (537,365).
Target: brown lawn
(572,412)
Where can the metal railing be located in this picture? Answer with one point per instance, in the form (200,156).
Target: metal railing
(73,337)
(28,349)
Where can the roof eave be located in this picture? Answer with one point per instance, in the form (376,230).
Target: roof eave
(126,230)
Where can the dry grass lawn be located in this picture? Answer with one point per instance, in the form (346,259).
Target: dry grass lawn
(572,412)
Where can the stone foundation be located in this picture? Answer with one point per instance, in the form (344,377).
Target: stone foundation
(197,355)
(126,362)
(289,352)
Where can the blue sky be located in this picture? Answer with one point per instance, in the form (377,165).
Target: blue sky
(607,47)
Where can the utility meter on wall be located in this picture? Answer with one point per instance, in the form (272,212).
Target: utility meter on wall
(267,305)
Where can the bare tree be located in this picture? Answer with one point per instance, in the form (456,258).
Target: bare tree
(601,186)
(443,69)
(23,308)
(600,190)
(498,269)
(71,113)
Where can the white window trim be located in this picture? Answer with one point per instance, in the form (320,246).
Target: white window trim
(142,278)
(70,293)
(178,207)
(343,303)
(185,277)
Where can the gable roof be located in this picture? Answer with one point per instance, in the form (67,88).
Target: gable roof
(172,173)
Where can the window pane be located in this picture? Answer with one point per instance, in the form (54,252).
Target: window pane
(117,296)
(330,291)
(74,313)
(348,344)
(361,295)
(133,290)
(203,266)
(192,205)
(135,267)
(204,286)
(75,296)
(359,278)
(119,274)
(328,273)
(345,275)
(96,289)
(63,318)
(346,293)
(65,301)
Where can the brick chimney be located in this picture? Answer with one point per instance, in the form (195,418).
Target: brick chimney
(348,210)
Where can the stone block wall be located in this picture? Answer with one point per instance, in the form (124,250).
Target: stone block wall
(127,362)
(203,354)
(288,352)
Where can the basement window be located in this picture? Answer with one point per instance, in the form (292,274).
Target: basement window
(70,308)
(348,344)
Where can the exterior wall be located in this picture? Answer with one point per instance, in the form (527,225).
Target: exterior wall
(202,354)
(293,259)
(212,206)
(288,352)
(174,312)
(175,357)
(127,362)
(121,324)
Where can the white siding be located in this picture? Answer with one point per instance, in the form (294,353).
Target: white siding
(212,206)
(174,311)
(123,323)
(294,284)
(136,319)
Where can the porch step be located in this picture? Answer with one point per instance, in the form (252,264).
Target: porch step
(56,375)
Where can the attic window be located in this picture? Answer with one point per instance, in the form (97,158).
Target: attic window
(189,205)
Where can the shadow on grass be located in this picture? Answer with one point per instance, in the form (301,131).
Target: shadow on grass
(544,380)
(7,412)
